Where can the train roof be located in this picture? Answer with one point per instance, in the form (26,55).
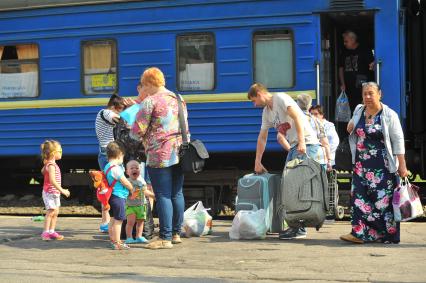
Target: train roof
(10,5)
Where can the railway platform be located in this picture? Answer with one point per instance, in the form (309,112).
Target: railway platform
(84,256)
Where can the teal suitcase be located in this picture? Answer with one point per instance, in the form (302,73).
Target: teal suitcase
(260,191)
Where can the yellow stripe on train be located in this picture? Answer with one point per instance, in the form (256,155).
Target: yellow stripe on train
(81,102)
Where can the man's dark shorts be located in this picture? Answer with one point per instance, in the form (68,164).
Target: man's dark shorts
(118,207)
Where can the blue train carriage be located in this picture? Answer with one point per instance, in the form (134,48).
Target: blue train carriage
(61,61)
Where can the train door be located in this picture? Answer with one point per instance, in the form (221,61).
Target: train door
(333,25)
(415,23)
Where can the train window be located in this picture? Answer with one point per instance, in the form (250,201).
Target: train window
(19,66)
(99,66)
(273,58)
(196,62)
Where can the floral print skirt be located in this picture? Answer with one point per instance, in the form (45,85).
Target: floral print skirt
(371,209)
(372,186)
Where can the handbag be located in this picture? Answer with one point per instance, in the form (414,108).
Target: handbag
(343,157)
(406,202)
(192,154)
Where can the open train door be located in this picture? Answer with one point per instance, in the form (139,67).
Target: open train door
(400,28)
(334,23)
(414,26)
(395,31)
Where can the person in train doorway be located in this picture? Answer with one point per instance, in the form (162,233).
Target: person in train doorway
(281,112)
(356,64)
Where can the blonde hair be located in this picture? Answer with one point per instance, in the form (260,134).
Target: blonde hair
(153,77)
(48,148)
(255,89)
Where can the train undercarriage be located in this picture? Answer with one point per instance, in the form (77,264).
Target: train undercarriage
(216,186)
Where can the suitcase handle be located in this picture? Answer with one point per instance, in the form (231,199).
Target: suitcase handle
(256,174)
(245,204)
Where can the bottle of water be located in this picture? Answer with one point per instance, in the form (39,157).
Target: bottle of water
(39,218)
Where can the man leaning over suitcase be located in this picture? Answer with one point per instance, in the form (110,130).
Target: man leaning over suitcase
(281,112)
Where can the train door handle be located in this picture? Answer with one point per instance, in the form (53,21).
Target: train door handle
(378,66)
(317,66)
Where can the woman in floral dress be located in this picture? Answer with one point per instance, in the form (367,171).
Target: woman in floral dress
(377,145)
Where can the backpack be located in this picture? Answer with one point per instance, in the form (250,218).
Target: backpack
(103,188)
(134,149)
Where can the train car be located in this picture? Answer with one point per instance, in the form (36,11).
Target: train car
(61,60)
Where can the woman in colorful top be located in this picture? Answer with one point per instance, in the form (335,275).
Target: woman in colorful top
(157,124)
(378,154)
(50,152)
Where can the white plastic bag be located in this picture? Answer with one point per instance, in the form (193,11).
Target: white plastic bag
(343,110)
(406,202)
(197,221)
(248,224)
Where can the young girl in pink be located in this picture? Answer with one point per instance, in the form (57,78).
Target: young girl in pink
(50,152)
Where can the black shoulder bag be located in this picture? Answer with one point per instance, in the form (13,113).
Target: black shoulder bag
(105,119)
(343,155)
(192,154)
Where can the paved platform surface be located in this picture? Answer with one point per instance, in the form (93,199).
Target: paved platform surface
(84,257)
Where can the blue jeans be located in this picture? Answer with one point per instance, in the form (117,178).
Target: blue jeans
(167,184)
(102,158)
(314,151)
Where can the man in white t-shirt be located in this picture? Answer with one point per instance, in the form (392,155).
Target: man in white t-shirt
(281,112)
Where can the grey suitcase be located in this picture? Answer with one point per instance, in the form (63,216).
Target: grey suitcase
(304,190)
(257,192)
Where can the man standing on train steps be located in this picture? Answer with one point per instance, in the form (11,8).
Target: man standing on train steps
(356,64)
(281,112)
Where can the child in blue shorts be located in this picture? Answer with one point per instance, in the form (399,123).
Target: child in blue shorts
(136,204)
(120,191)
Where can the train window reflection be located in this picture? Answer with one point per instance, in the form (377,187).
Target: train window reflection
(100,67)
(273,58)
(19,68)
(196,62)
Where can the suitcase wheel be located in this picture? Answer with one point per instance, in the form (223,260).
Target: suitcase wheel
(340,212)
